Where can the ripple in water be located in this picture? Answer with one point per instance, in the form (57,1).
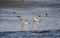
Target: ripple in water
(31,34)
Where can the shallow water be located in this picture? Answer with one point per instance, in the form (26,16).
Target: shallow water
(52,10)
(31,34)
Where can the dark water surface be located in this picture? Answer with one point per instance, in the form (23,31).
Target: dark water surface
(31,34)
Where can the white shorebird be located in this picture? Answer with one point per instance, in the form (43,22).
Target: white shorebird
(35,22)
(24,23)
